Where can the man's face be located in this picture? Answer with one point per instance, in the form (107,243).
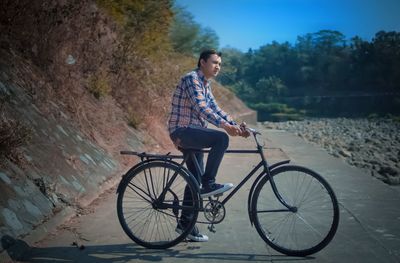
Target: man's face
(211,67)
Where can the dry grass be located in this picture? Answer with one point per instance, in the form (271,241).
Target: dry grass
(13,134)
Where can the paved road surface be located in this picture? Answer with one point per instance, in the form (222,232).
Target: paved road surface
(369,229)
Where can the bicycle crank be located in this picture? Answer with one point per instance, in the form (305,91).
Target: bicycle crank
(214,212)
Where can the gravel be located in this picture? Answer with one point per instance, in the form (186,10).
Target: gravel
(371,144)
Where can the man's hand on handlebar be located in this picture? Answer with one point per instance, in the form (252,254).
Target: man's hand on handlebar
(236,130)
(244,132)
(232,130)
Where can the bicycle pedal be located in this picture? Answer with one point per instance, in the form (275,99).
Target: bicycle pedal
(211,228)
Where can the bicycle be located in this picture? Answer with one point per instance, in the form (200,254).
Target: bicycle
(294,209)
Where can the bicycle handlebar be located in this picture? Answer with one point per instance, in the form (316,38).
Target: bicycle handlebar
(253,131)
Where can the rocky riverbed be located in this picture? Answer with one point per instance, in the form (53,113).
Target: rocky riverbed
(371,144)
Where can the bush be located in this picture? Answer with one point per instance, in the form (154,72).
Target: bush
(99,86)
(13,134)
(269,107)
(276,117)
(133,119)
(277,112)
(145,24)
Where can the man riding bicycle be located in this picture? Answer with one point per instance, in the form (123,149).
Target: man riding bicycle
(193,105)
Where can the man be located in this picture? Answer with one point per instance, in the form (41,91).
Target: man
(193,105)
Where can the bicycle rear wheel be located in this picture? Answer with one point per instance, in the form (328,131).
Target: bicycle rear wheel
(150,217)
(302,232)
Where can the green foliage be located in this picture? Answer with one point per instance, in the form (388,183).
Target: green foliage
(133,119)
(189,37)
(327,40)
(270,107)
(246,92)
(382,61)
(319,66)
(232,65)
(184,31)
(206,39)
(145,24)
(13,134)
(373,116)
(270,87)
(99,86)
(277,112)
(286,117)
(396,118)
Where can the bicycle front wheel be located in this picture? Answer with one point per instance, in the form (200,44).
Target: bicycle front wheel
(310,226)
(151,200)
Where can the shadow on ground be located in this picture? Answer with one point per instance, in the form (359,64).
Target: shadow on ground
(20,251)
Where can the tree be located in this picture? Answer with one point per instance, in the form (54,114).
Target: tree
(270,88)
(188,37)
(145,23)
(184,31)
(206,39)
(324,61)
(386,57)
(326,40)
(233,62)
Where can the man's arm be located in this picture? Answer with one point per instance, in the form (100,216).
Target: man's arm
(197,96)
(219,111)
(233,129)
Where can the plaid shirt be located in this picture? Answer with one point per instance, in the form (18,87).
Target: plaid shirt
(193,104)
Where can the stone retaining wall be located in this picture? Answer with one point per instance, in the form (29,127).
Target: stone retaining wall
(62,169)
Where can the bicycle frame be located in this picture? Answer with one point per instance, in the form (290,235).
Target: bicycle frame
(263,163)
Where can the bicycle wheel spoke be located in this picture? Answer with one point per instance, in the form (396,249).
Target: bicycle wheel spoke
(151,202)
(309,227)
(141,195)
(307,187)
(135,215)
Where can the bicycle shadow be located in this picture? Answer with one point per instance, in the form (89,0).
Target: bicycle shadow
(20,251)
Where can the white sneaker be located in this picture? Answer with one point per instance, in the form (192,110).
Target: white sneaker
(194,235)
(214,189)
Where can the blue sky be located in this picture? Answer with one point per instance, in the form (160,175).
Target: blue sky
(245,24)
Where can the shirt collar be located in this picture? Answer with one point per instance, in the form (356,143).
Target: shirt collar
(202,77)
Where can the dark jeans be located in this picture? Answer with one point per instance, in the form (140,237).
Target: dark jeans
(199,138)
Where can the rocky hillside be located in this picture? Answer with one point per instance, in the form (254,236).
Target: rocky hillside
(72,95)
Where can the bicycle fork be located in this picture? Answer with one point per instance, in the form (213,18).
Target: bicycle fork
(267,171)
(278,195)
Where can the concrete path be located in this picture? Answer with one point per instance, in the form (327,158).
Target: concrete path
(369,229)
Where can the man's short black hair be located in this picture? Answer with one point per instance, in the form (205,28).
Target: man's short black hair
(206,54)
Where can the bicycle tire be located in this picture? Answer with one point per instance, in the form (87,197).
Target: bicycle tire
(311,227)
(145,222)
